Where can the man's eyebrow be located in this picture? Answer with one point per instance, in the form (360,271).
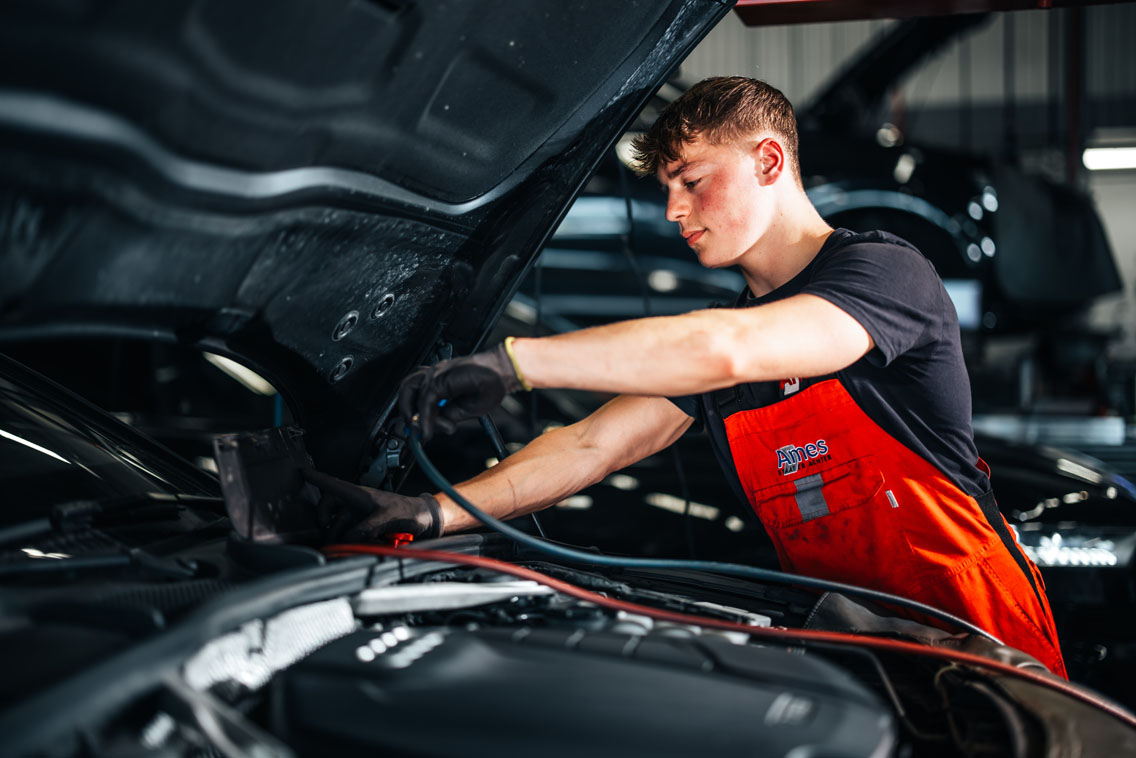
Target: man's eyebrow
(678,170)
(682,167)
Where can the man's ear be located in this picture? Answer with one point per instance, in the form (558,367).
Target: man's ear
(770,160)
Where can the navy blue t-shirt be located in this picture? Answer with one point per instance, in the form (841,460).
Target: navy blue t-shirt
(913,383)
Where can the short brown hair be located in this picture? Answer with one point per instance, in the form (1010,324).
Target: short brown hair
(720,109)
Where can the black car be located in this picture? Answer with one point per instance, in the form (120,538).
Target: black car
(998,234)
(331,195)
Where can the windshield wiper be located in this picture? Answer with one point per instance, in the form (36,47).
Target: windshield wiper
(82,514)
(79,515)
(134,558)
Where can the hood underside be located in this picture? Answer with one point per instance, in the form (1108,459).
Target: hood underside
(330,193)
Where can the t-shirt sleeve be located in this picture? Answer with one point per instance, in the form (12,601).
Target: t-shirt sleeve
(893,291)
(689,405)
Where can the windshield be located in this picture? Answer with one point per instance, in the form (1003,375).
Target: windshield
(54,448)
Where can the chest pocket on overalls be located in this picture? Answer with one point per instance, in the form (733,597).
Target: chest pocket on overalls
(838,523)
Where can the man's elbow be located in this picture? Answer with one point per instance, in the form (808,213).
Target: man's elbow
(756,345)
(723,359)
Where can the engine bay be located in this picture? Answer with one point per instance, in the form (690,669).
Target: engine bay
(423,658)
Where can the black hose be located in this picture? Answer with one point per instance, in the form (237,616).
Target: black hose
(731,569)
(498,443)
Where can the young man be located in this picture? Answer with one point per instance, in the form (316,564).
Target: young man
(835,393)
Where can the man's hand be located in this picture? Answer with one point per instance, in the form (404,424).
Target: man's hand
(457,389)
(367,515)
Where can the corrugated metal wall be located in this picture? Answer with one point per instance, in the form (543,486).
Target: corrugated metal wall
(798,58)
(1111,59)
(795,59)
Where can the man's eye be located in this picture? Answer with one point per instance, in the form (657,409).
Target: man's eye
(690,184)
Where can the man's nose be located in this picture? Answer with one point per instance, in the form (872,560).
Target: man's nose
(677,208)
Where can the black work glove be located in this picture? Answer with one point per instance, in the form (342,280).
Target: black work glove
(471,386)
(364,514)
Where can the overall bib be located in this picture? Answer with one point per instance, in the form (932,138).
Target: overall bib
(843,500)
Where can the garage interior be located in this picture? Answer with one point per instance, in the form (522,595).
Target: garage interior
(999,136)
(1039,88)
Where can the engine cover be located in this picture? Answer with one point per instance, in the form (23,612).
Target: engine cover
(567,692)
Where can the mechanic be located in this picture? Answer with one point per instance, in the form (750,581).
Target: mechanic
(834,393)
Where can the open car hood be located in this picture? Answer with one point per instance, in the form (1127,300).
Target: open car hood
(330,193)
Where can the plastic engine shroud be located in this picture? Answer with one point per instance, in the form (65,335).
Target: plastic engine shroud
(567,692)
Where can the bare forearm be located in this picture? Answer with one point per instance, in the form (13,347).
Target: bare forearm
(699,351)
(544,472)
(564,461)
(665,355)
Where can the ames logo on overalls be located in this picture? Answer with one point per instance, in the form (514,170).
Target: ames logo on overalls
(790,457)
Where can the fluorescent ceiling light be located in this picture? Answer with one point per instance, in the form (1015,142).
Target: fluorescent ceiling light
(1109,158)
(662,280)
(624,482)
(679,505)
(904,168)
(521,312)
(576,503)
(1079,471)
(248,378)
(31,552)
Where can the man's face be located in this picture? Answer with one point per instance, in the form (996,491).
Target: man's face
(716,195)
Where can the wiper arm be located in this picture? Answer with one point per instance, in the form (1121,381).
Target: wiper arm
(136,558)
(25,531)
(80,514)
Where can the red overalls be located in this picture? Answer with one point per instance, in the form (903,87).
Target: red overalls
(843,500)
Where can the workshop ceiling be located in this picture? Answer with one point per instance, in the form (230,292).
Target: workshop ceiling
(770,12)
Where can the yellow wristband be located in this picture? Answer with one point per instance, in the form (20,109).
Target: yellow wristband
(516,366)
